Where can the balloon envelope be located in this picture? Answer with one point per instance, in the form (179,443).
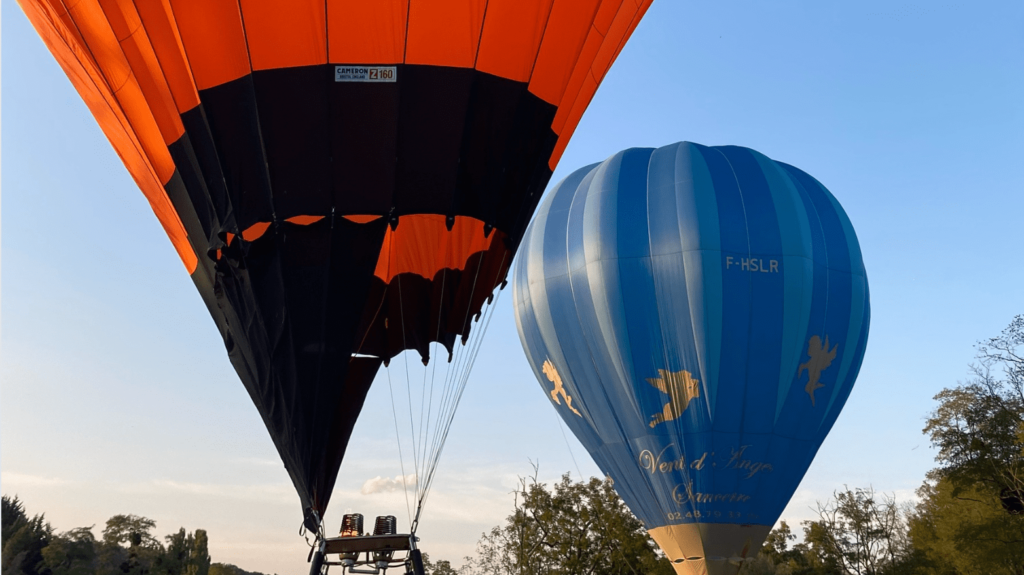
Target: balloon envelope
(697,316)
(343,179)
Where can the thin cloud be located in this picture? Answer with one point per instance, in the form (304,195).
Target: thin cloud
(267,492)
(386,484)
(25,480)
(258,461)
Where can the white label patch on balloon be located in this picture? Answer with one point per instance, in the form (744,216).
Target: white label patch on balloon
(365,73)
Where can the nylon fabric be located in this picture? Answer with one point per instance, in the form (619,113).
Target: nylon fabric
(697,316)
(324,211)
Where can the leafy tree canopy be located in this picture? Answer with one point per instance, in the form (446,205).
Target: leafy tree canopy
(572,528)
(978,426)
(23,539)
(128,547)
(966,530)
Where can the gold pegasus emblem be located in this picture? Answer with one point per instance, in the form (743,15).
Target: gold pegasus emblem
(681,387)
(549,370)
(821,358)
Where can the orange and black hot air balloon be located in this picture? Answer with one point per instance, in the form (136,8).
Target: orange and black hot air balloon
(343,179)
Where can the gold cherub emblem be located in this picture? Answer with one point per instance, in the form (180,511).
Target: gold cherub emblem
(821,358)
(681,388)
(549,370)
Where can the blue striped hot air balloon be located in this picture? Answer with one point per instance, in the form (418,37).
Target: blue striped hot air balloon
(697,316)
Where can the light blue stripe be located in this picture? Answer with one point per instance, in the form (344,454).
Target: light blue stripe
(600,236)
(701,242)
(544,264)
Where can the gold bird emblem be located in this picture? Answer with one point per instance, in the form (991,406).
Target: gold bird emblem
(681,388)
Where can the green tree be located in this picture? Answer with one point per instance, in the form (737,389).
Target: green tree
(129,548)
(23,540)
(199,555)
(130,531)
(778,558)
(71,553)
(859,533)
(966,531)
(978,427)
(971,515)
(574,528)
(12,514)
(186,554)
(229,569)
(441,567)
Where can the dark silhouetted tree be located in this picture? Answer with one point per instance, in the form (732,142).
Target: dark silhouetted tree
(72,553)
(23,540)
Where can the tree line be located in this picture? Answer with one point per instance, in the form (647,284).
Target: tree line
(126,547)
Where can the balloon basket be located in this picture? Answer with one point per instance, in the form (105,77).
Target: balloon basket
(368,554)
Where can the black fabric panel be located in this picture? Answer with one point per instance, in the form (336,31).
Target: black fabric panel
(431,115)
(205,169)
(296,131)
(364,144)
(188,212)
(234,124)
(505,141)
(519,200)
(182,190)
(190,197)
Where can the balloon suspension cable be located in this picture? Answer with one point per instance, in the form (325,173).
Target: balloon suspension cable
(439,397)
(398,438)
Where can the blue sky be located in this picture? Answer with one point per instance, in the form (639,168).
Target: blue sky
(116,395)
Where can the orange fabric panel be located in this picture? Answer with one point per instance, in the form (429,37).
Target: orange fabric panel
(580,74)
(512,33)
(304,220)
(616,34)
(595,59)
(361,219)
(573,118)
(67,46)
(127,26)
(120,80)
(421,244)
(255,231)
(567,30)
(285,34)
(211,31)
(366,32)
(606,14)
(57,7)
(163,35)
(140,116)
(98,39)
(642,7)
(444,32)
